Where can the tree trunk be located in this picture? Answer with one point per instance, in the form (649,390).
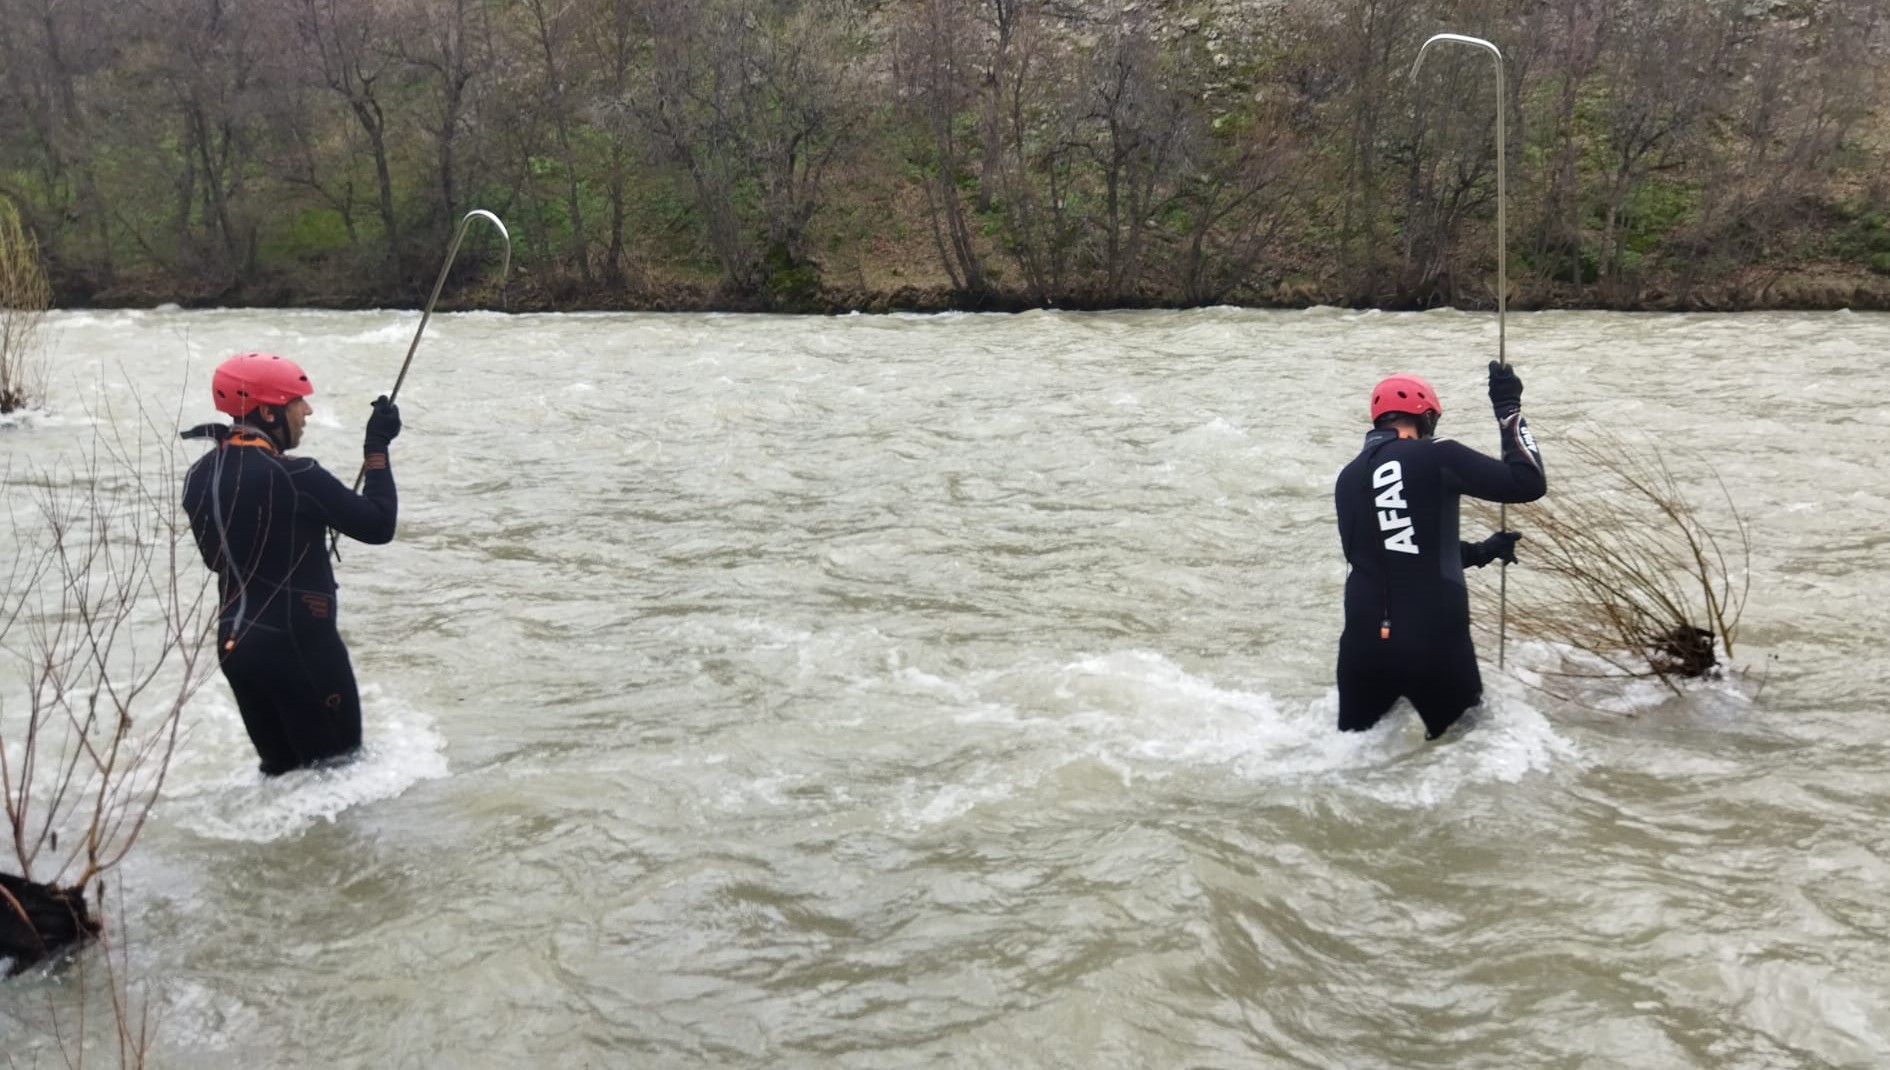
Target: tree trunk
(369,113)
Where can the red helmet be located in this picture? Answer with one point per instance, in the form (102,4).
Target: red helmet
(1406,394)
(249,380)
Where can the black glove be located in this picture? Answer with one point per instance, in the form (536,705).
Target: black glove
(383,426)
(1505,391)
(1498,547)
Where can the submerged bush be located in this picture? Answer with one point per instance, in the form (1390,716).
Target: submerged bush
(1622,566)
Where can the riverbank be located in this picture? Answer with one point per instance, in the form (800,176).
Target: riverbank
(1809,288)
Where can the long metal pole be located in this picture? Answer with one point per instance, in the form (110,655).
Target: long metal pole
(452,253)
(1502,274)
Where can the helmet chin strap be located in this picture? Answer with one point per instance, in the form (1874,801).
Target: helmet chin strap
(275,430)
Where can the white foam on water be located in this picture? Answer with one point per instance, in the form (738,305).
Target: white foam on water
(216,790)
(32,419)
(1579,677)
(1502,741)
(1217,427)
(1138,716)
(762,793)
(387,334)
(920,681)
(1185,722)
(922,808)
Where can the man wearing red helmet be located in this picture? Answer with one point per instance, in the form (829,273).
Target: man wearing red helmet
(260,517)
(1407,612)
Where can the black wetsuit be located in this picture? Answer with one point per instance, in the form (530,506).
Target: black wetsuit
(1407,612)
(261,521)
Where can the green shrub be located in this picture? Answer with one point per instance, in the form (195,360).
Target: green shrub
(313,233)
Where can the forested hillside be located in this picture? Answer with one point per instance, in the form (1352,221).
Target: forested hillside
(831,154)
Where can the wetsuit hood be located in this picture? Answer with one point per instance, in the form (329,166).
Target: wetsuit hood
(221,433)
(218,432)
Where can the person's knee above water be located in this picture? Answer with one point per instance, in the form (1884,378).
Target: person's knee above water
(261,518)
(1407,611)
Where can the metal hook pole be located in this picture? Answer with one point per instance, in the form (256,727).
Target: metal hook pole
(1502,273)
(452,253)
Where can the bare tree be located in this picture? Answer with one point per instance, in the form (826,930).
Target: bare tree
(312,157)
(1240,189)
(1447,183)
(210,79)
(1010,30)
(1142,124)
(551,30)
(935,58)
(754,100)
(1570,30)
(1662,63)
(447,42)
(108,641)
(1239,164)
(342,42)
(1370,42)
(1028,116)
(614,39)
(49,51)
(688,112)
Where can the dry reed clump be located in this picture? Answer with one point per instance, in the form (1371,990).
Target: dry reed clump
(1621,565)
(24,298)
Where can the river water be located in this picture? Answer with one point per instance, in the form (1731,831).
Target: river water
(957,691)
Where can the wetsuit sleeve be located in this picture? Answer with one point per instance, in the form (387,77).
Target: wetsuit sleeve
(1518,477)
(367,517)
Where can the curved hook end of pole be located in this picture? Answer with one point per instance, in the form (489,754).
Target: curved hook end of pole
(1460,38)
(439,283)
(505,268)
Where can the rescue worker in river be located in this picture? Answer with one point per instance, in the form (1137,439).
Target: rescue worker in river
(260,517)
(1407,611)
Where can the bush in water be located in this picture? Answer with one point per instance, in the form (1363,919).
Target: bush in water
(1621,566)
(104,643)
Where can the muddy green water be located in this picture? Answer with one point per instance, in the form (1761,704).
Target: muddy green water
(956,691)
